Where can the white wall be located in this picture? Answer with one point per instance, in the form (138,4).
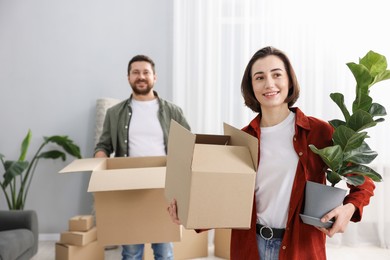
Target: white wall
(56,59)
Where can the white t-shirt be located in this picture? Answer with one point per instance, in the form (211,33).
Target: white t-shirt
(146,137)
(276,173)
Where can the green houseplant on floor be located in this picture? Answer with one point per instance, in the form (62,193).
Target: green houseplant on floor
(349,155)
(18,174)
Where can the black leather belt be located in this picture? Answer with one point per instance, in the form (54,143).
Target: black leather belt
(268,233)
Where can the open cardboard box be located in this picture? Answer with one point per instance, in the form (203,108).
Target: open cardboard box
(129,199)
(212,177)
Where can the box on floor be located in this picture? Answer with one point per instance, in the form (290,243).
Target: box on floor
(222,243)
(192,245)
(78,238)
(81,223)
(69,252)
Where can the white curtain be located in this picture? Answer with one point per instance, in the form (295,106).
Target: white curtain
(214,40)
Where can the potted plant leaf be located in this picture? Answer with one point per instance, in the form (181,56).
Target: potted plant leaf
(348,158)
(18,174)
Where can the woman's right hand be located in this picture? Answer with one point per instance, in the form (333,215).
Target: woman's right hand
(172,210)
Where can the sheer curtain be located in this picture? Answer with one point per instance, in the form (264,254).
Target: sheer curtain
(214,40)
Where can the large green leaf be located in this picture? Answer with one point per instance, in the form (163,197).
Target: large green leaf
(24,146)
(377,110)
(374,62)
(336,123)
(13,169)
(362,76)
(360,155)
(364,102)
(355,180)
(333,177)
(385,75)
(331,155)
(66,144)
(347,138)
(362,170)
(338,98)
(53,154)
(360,120)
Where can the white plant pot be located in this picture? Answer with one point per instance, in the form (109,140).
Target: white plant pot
(319,200)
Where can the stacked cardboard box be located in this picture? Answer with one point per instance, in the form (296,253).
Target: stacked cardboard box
(192,246)
(80,241)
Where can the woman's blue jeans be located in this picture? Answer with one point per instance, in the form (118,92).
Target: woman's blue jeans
(268,249)
(162,251)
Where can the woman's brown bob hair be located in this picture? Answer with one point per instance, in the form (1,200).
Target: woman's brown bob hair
(246,83)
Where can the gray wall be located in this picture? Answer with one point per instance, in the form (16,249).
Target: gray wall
(56,59)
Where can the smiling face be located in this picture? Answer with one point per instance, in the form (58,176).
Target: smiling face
(270,82)
(141,78)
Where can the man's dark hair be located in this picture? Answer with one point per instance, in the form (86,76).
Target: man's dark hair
(141,58)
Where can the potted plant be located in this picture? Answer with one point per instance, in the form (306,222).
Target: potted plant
(349,155)
(18,174)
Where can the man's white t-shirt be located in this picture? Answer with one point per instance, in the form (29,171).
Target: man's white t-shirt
(146,137)
(276,173)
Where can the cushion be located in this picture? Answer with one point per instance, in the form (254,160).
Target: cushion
(14,243)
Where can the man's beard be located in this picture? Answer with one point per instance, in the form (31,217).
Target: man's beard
(144,91)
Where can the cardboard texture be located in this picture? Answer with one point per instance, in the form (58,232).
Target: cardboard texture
(129,199)
(81,223)
(212,177)
(69,252)
(222,243)
(192,246)
(78,238)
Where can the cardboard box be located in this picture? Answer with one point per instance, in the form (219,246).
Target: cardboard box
(78,238)
(129,199)
(222,243)
(69,252)
(212,177)
(192,245)
(81,223)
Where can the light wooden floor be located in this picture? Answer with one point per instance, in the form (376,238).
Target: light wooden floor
(46,252)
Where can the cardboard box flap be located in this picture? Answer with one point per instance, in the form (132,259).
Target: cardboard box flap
(127,179)
(179,161)
(85,165)
(240,138)
(225,159)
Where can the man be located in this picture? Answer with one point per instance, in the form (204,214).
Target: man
(139,126)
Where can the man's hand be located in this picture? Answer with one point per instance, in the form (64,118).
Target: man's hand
(343,215)
(100,154)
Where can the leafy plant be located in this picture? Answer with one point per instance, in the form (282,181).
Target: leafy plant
(347,159)
(18,174)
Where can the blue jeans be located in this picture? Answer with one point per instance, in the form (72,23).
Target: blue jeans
(268,249)
(162,251)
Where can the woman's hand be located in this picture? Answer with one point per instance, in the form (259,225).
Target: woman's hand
(343,215)
(172,210)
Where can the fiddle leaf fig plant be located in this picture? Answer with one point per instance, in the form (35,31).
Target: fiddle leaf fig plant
(18,174)
(349,155)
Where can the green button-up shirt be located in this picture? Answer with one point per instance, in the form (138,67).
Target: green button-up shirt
(115,134)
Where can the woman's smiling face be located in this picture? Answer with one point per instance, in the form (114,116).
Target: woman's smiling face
(270,82)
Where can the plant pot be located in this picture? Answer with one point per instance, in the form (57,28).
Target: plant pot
(319,200)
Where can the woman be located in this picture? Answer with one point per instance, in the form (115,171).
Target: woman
(270,88)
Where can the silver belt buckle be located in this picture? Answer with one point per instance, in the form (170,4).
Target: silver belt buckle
(270,231)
